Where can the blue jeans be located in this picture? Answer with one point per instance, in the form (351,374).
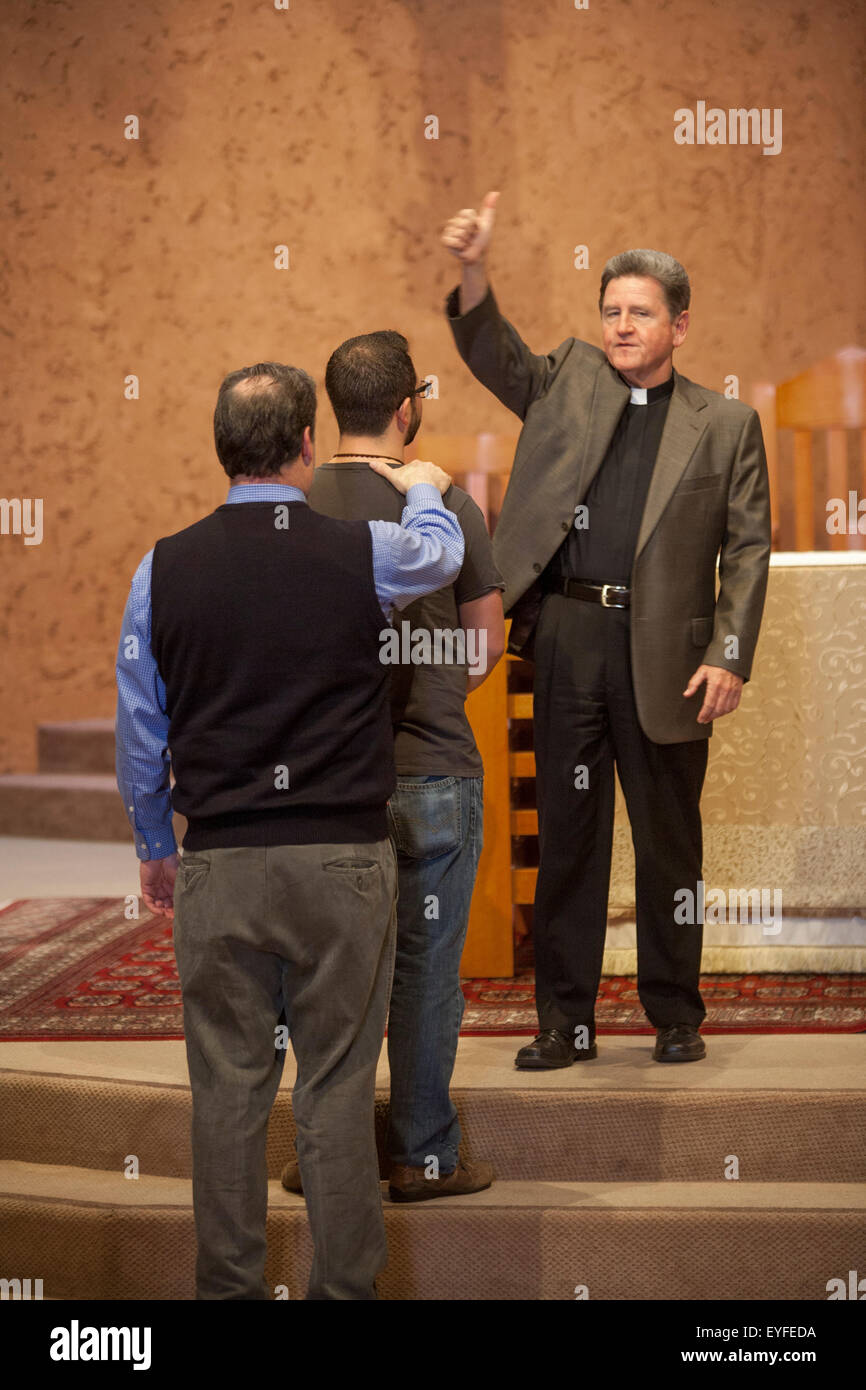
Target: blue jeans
(436,825)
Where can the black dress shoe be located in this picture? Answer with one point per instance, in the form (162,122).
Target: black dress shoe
(552,1049)
(679,1042)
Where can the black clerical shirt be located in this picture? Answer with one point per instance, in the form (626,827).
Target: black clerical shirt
(603,552)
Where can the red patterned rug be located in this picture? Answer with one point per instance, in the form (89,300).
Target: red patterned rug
(80,969)
(735,1004)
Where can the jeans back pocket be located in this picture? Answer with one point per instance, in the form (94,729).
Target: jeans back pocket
(425,817)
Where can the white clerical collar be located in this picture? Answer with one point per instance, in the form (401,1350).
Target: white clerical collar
(648,395)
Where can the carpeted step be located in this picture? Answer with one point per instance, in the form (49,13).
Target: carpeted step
(76,745)
(62,806)
(564,1134)
(89,1234)
(66,806)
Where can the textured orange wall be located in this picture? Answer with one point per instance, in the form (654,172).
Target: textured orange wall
(306,127)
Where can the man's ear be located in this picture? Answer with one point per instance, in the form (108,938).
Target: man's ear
(308,446)
(404,414)
(681,327)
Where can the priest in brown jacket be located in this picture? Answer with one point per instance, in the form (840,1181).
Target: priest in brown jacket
(629,483)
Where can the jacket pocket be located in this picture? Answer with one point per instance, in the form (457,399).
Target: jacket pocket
(702,631)
(704,482)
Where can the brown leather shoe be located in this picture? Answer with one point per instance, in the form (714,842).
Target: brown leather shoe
(290,1177)
(291,1174)
(407,1184)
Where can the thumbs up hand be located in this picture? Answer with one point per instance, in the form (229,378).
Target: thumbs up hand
(467,234)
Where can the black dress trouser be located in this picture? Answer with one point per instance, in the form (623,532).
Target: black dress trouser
(585,716)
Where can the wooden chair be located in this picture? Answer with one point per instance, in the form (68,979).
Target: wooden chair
(823,406)
(481,465)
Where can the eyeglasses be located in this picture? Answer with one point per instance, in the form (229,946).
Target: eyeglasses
(422,389)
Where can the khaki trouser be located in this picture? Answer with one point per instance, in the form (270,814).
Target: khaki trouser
(301,934)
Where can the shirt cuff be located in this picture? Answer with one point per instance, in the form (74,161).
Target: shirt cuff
(452,303)
(424,495)
(155,844)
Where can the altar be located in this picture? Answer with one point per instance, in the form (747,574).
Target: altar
(784,802)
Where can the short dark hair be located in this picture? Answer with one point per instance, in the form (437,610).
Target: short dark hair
(367,378)
(260,417)
(658,265)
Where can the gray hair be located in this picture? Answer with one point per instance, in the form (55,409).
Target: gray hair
(659,266)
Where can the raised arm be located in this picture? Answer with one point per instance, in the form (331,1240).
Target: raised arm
(467,235)
(490,346)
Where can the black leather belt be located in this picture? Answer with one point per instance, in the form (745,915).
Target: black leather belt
(608,595)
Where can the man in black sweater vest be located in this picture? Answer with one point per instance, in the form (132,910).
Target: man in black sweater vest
(251,649)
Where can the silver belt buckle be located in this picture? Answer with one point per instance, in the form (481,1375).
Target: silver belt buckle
(604,599)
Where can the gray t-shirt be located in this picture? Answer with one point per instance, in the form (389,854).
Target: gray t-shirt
(432,735)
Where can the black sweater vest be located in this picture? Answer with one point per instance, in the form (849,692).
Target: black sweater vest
(266,633)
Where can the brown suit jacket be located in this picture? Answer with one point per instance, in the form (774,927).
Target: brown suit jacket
(709,499)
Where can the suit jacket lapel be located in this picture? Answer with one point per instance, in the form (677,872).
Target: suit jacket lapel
(684,426)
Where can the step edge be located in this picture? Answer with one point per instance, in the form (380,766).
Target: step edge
(501,1195)
(463,1092)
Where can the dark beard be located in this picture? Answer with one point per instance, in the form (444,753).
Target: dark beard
(414,422)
